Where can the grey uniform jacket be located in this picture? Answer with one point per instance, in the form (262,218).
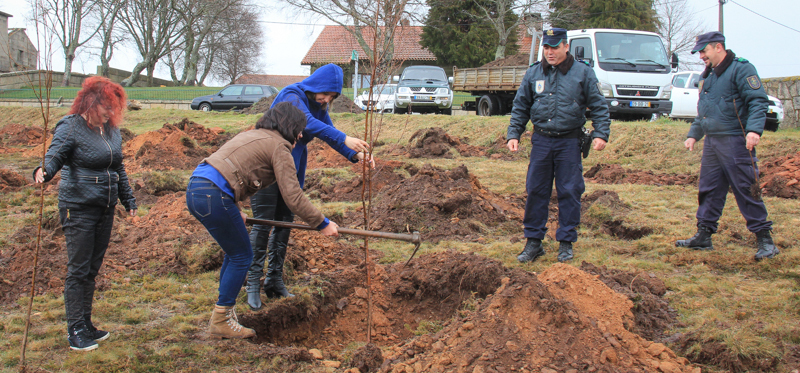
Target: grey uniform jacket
(730,93)
(555,98)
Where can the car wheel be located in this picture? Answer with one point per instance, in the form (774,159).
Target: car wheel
(205,106)
(448,111)
(400,110)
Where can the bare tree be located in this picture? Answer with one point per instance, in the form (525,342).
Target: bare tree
(237,49)
(65,19)
(372,23)
(678,29)
(109,36)
(198,19)
(154,26)
(497,13)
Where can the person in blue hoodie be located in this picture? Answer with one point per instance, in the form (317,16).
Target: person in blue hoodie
(312,96)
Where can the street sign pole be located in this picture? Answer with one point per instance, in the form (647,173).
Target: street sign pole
(354,56)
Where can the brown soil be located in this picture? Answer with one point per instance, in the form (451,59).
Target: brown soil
(440,204)
(515,60)
(470,314)
(11,180)
(780,177)
(178,146)
(17,134)
(614,174)
(344,104)
(608,215)
(384,174)
(261,106)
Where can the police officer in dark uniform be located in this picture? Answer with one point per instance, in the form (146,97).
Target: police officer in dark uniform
(731,113)
(554,96)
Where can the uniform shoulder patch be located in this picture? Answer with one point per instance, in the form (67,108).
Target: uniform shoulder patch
(754,82)
(740,59)
(586,62)
(535,63)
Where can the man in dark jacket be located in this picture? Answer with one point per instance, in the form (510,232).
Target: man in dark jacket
(554,96)
(731,113)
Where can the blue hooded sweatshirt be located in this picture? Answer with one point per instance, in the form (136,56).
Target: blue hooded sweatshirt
(328,78)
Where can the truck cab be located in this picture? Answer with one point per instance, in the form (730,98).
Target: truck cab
(632,67)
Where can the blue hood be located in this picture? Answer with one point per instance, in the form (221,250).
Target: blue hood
(328,78)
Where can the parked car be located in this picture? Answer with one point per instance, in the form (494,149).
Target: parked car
(423,89)
(234,96)
(382,96)
(685,95)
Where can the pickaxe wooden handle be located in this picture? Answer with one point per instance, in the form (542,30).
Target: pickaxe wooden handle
(414,237)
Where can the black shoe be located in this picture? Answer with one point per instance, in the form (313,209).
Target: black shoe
(700,241)
(533,249)
(81,340)
(766,248)
(275,288)
(96,334)
(254,295)
(564,251)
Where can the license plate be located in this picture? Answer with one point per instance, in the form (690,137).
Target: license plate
(640,103)
(427,98)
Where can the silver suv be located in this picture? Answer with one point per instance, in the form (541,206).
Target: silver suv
(423,89)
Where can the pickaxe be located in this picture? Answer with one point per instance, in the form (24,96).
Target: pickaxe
(413,237)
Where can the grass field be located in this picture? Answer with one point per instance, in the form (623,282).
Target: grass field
(722,297)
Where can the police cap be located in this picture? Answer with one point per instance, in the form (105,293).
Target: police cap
(711,37)
(554,36)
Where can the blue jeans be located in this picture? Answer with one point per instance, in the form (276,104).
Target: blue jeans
(559,159)
(218,212)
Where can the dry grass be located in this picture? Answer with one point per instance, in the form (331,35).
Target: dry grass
(721,296)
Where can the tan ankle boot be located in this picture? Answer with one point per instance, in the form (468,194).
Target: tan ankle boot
(225,324)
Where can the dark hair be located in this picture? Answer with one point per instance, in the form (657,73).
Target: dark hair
(312,97)
(285,118)
(98,90)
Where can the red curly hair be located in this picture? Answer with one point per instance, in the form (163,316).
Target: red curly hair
(98,90)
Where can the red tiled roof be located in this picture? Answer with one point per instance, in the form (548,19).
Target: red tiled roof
(279,81)
(335,45)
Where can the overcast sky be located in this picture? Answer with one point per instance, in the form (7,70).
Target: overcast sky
(771,47)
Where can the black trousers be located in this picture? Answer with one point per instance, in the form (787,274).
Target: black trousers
(87,230)
(267,204)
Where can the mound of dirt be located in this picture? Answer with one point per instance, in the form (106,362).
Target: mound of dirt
(261,106)
(440,204)
(11,180)
(178,146)
(320,155)
(614,174)
(652,313)
(453,311)
(18,135)
(515,60)
(779,177)
(344,104)
(385,173)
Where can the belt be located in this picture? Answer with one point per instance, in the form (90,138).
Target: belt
(569,134)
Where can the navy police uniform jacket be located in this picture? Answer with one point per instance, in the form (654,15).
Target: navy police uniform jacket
(555,98)
(730,93)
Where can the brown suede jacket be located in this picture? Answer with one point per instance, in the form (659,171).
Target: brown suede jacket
(255,159)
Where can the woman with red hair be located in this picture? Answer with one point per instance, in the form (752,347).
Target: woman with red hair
(87,148)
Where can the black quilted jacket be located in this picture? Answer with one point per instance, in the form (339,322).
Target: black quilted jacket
(91,166)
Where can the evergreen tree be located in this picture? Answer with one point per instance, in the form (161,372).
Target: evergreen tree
(455,34)
(619,14)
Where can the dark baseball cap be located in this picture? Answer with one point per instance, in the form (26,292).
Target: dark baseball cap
(554,36)
(711,37)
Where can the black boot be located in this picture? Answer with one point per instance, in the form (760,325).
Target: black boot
(80,339)
(273,283)
(96,334)
(564,251)
(766,248)
(533,249)
(700,241)
(253,289)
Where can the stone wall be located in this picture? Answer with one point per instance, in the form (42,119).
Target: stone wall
(117,75)
(22,79)
(788,91)
(5,63)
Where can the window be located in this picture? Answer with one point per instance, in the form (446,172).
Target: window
(630,48)
(231,91)
(679,81)
(252,90)
(586,43)
(694,82)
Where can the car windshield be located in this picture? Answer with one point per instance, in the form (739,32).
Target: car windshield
(630,48)
(424,74)
(381,90)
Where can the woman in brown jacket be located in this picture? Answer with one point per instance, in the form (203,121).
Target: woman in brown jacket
(250,161)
